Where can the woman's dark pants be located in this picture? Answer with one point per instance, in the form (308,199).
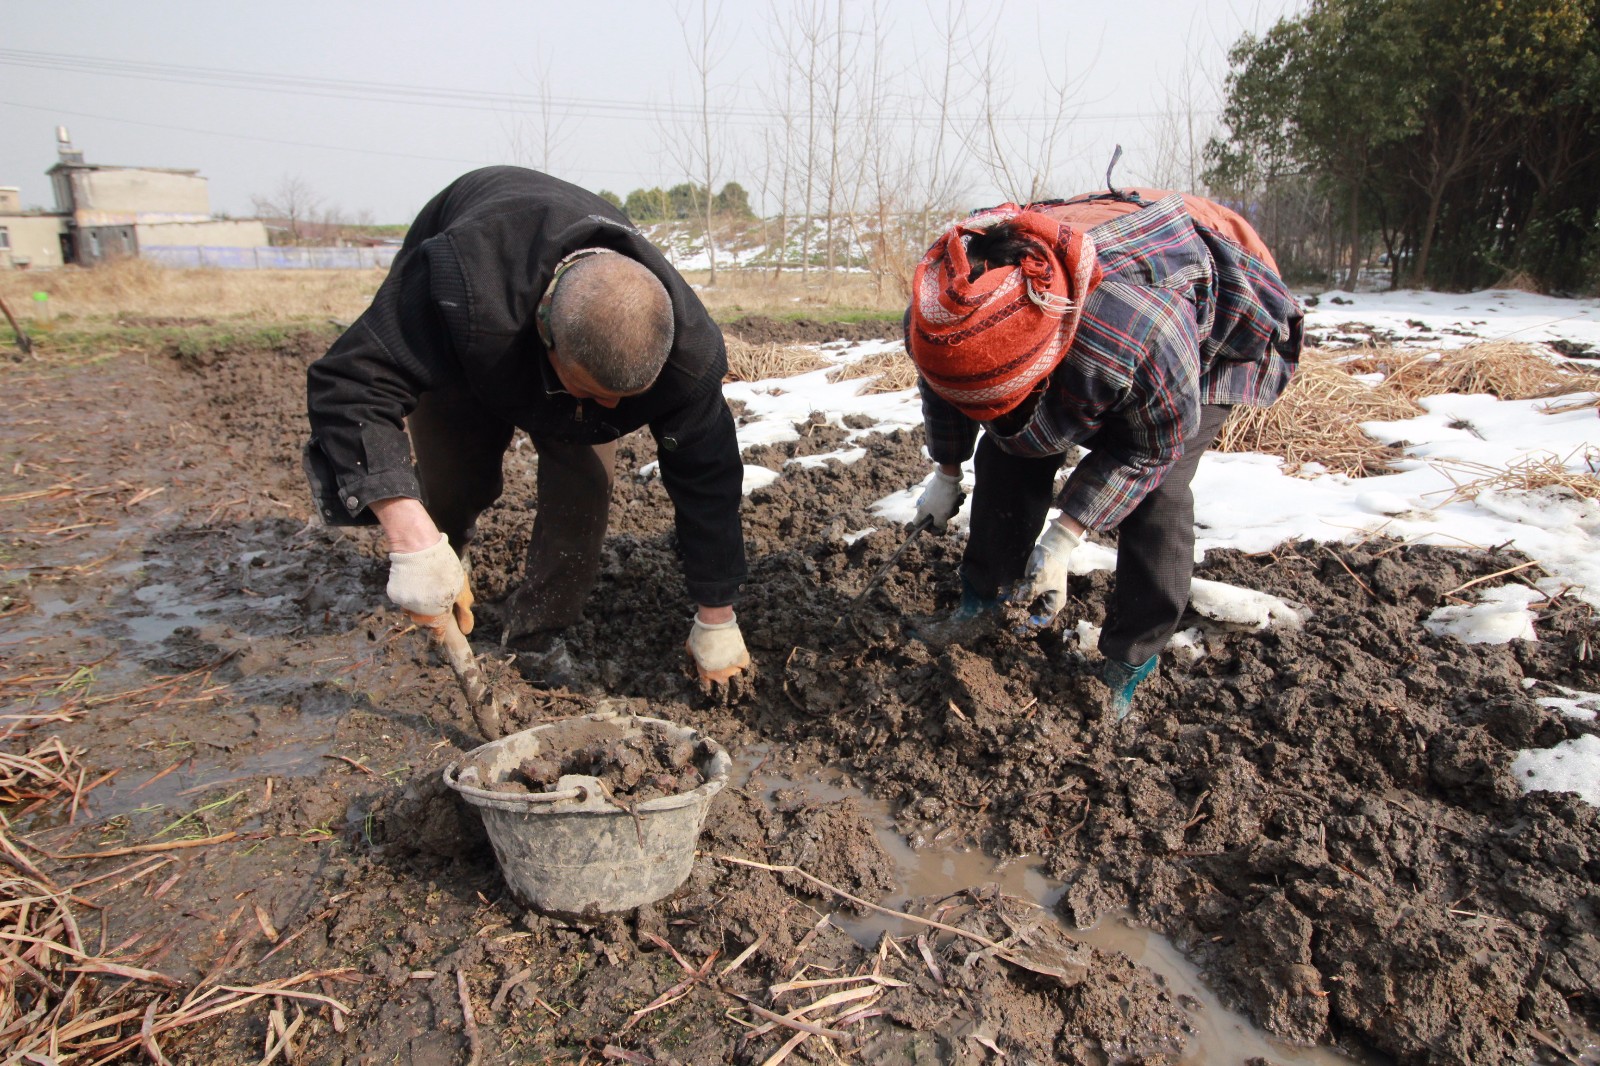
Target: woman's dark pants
(1155,543)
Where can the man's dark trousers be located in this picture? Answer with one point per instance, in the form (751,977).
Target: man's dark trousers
(460,448)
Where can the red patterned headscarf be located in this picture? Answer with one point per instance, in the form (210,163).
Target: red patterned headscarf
(984,345)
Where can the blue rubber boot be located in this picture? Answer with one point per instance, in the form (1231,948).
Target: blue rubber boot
(972,605)
(971,618)
(1122,678)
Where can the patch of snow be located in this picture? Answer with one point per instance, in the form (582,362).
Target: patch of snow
(1500,616)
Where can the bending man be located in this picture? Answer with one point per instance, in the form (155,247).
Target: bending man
(520,301)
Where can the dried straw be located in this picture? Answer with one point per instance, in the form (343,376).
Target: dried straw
(48,770)
(891,371)
(1506,369)
(56,1007)
(1578,474)
(761,362)
(1317,420)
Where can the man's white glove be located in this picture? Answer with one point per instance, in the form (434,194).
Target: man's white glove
(941,499)
(718,650)
(429,582)
(1046,576)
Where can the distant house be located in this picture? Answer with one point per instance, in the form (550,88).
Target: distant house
(110,212)
(28,238)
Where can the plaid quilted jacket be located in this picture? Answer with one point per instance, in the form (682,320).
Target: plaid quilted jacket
(1183,318)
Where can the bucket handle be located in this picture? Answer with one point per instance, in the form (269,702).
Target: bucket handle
(551,797)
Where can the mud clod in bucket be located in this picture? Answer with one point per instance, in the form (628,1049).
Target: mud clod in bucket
(595,814)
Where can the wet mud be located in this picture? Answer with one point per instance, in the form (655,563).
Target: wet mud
(1323,818)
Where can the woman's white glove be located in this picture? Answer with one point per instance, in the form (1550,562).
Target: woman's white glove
(941,499)
(429,582)
(1046,576)
(718,650)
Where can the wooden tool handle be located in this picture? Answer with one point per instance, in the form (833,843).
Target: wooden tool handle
(489,708)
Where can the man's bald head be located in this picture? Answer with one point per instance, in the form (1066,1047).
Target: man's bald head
(611,316)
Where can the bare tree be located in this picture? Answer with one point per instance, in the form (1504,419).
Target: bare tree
(840,63)
(1179,132)
(813,33)
(1019,149)
(293,203)
(537,133)
(703,144)
(940,186)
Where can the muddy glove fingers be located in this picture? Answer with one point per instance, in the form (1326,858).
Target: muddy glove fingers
(1046,576)
(940,499)
(725,693)
(428,583)
(718,651)
(463,607)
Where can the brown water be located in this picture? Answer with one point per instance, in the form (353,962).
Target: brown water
(1221,1036)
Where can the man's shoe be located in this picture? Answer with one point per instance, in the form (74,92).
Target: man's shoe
(543,660)
(1122,678)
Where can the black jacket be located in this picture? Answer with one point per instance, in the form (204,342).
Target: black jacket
(458,304)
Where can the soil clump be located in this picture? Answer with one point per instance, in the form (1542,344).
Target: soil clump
(635,765)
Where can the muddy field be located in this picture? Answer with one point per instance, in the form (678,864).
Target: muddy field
(1322,818)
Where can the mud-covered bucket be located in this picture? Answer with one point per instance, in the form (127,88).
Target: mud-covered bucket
(574,848)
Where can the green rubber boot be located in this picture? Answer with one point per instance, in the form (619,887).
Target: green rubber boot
(1122,678)
(973,616)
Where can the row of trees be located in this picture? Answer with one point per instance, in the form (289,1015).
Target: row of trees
(1457,139)
(1456,142)
(684,201)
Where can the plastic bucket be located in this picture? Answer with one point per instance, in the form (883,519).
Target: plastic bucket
(572,850)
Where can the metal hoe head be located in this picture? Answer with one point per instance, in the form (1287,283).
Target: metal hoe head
(918,526)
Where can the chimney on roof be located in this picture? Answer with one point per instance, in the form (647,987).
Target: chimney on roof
(64,150)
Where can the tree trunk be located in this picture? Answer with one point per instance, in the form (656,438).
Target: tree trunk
(1355,236)
(1419,269)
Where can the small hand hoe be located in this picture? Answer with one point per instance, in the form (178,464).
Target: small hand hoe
(489,706)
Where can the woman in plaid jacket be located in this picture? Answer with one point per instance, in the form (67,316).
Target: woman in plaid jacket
(1126,323)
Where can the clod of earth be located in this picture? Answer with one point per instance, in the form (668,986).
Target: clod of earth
(636,767)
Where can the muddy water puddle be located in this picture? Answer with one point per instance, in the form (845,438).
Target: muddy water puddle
(1221,1036)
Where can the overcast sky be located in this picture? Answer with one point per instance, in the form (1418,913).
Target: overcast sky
(375,107)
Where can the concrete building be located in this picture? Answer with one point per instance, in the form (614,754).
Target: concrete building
(110,212)
(28,239)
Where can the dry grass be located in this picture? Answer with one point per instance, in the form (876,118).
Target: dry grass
(1319,416)
(815,294)
(1317,420)
(1505,369)
(1542,471)
(140,289)
(758,362)
(1590,404)
(891,371)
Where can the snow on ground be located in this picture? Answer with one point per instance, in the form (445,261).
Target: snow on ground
(1247,502)
(1451,320)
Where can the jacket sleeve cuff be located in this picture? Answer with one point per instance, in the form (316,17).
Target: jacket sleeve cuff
(357,495)
(1096,501)
(349,503)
